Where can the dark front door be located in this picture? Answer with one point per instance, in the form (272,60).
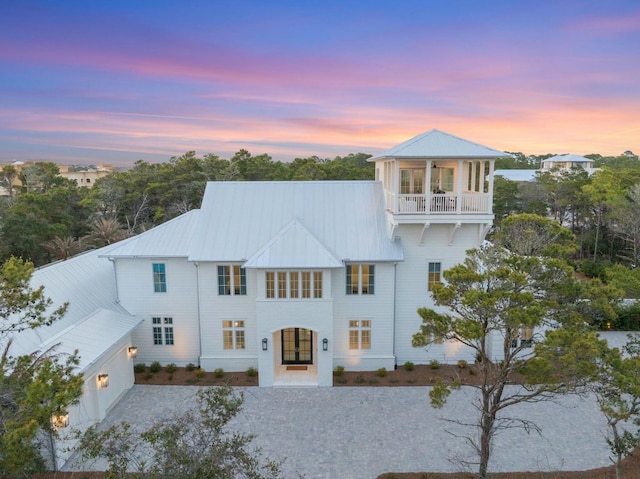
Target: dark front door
(297,346)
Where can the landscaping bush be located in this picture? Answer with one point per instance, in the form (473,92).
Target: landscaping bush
(155,367)
(200,373)
(170,368)
(218,373)
(139,368)
(338,371)
(190,367)
(434,364)
(408,366)
(462,364)
(382,372)
(252,372)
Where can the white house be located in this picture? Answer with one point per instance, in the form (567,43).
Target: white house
(290,278)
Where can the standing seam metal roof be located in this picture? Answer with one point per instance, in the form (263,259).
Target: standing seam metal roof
(438,144)
(347,218)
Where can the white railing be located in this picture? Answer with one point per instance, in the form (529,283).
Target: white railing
(447,203)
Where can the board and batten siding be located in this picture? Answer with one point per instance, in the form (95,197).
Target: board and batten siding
(412,293)
(377,307)
(180,302)
(216,308)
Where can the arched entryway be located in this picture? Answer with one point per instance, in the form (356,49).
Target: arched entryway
(295,357)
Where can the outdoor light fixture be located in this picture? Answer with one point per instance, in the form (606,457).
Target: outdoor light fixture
(264,344)
(103,380)
(325,344)
(60,421)
(133,351)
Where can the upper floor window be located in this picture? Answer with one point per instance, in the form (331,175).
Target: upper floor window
(435,272)
(442,179)
(360,279)
(159,278)
(293,284)
(232,280)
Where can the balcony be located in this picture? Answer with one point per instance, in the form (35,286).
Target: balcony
(439,203)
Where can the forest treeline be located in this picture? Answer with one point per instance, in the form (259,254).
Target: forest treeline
(48,217)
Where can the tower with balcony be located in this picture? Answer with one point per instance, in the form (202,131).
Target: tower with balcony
(438,191)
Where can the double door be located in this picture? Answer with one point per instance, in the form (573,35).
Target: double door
(297,346)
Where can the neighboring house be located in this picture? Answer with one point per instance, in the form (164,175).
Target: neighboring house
(290,278)
(85,176)
(555,164)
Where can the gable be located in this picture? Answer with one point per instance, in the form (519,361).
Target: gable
(293,247)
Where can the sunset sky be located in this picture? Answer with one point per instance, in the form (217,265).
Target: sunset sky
(116,81)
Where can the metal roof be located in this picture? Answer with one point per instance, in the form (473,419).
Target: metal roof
(93,337)
(517,175)
(438,144)
(170,239)
(87,283)
(239,221)
(293,247)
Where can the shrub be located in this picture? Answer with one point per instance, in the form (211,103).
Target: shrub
(462,364)
(170,368)
(139,368)
(382,372)
(190,367)
(338,371)
(252,372)
(408,366)
(200,373)
(218,373)
(155,367)
(434,364)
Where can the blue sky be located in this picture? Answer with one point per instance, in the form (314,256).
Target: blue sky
(118,81)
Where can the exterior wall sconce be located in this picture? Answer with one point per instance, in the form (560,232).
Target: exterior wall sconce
(103,380)
(264,344)
(325,344)
(60,421)
(133,351)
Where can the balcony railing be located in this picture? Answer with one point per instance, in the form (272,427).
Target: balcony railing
(447,203)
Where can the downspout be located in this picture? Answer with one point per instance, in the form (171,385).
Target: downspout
(197,265)
(115,277)
(395,358)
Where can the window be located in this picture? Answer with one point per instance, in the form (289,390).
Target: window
(293,284)
(442,179)
(159,278)
(160,324)
(522,337)
(360,279)
(359,334)
(232,280)
(233,334)
(434,277)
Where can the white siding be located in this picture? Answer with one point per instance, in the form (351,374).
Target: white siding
(411,287)
(378,308)
(214,309)
(180,302)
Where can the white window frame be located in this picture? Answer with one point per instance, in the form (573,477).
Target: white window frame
(163,332)
(354,283)
(232,280)
(431,282)
(234,329)
(359,334)
(294,285)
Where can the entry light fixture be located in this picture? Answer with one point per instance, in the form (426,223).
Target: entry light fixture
(103,380)
(325,344)
(133,351)
(264,344)
(60,421)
